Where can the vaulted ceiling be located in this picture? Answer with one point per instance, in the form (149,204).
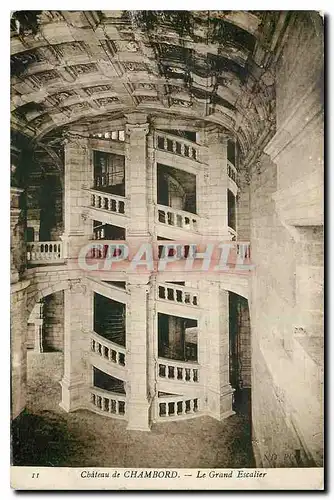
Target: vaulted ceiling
(218,66)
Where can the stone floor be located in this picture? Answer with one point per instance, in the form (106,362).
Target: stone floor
(45,435)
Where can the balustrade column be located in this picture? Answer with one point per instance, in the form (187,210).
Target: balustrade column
(214,349)
(79,176)
(138,400)
(77,326)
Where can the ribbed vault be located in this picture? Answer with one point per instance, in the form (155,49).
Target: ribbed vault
(73,67)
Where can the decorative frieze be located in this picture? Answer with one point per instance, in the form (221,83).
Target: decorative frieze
(83,69)
(106,101)
(62,96)
(97,89)
(44,77)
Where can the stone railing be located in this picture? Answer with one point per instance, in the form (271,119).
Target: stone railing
(102,249)
(232,233)
(177,145)
(178,294)
(243,250)
(108,402)
(182,371)
(232,172)
(115,135)
(40,252)
(177,218)
(177,407)
(108,202)
(108,350)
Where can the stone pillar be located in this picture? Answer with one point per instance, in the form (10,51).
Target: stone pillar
(138,188)
(214,349)
(18,327)
(175,336)
(38,336)
(136,183)
(77,325)
(34,221)
(38,323)
(137,388)
(214,201)
(151,169)
(17,243)
(79,176)
(243,206)
(152,321)
(18,310)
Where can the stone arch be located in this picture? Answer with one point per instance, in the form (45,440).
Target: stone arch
(236,284)
(45,289)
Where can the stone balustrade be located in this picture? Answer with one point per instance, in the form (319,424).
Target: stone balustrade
(232,234)
(177,218)
(243,250)
(174,407)
(114,135)
(178,294)
(177,145)
(107,402)
(44,252)
(232,172)
(108,350)
(182,371)
(108,202)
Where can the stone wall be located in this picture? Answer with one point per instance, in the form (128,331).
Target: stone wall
(287,250)
(18,320)
(286,381)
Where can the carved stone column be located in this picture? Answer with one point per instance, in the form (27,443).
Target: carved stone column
(79,176)
(214,195)
(17,243)
(18,332)
(214,349)
(136,173)
(34,221)
(77,325)
(137,390)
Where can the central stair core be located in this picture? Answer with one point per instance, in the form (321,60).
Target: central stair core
(109,319)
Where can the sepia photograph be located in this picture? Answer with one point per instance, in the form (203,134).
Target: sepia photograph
(167,249)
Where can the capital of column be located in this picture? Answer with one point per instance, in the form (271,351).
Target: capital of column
(217,135)
(139,282)
(15,194)
(136,123)
(33,213)
(77,286)
(140,129)
(75,140)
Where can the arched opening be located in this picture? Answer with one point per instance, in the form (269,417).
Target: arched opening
(240,352)
(45,353)
(176,188)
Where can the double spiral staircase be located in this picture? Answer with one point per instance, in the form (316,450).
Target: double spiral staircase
(179,388)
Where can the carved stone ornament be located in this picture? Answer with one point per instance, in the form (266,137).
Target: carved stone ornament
(76,286)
